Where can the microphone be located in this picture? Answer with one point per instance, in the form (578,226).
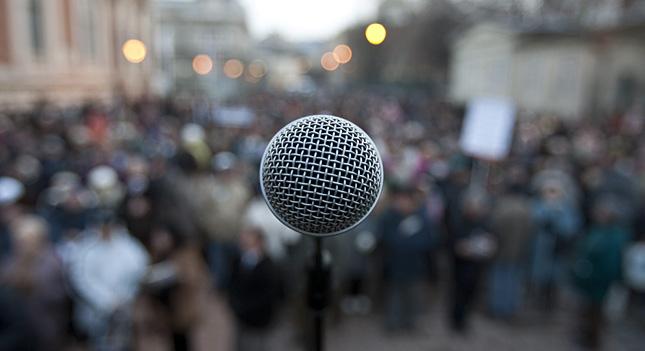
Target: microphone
(321,175)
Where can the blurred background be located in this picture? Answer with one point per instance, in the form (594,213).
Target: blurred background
(511,133)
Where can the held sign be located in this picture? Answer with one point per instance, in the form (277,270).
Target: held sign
(488,128)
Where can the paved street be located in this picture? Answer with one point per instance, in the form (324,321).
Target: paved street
(533,333)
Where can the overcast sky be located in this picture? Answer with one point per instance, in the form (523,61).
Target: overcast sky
(302,20)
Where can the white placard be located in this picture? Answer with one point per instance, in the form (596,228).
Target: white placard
(234,116)
(488,128)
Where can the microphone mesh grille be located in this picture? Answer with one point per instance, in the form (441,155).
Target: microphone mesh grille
(321,175)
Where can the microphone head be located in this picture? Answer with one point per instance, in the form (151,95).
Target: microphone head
(321,175)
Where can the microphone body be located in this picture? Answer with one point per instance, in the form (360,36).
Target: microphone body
(321,175)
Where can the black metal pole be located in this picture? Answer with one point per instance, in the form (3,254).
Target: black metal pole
(318,292)
(319,329)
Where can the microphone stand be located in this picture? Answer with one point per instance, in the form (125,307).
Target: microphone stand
(319,275)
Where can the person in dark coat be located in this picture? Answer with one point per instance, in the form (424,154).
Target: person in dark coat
(512,224)
(597,266)
(35,272)
(471,246)
(255,292)
(406,236)
(16,329)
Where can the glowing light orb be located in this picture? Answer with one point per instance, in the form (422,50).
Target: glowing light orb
(134,50)
(342,53)
(233,68)
(257,69)
(375,33)
(202,64)
(328,62)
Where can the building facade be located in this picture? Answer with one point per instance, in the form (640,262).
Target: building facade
(187,28)
(69,51)
(573,74)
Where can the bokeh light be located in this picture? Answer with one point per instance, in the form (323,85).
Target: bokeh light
(257,69)
(202,64)
(249,78)
(328,62)
(134,51)
(342,53)
(375,33)
(233,68)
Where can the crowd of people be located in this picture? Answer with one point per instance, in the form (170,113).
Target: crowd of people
(118,222)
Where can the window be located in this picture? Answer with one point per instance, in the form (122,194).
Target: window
(626,92)
(87,32)
(36,27)
(5,56)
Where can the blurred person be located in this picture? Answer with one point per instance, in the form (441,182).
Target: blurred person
(557,223)
(402,163)
(453,188)
(16,328)
(348,258)
(11,190)
(53,151)
(104,182)
(278,237)
(597,266)
(406,237)
(106,267)
(207,197)
(256,289)
(66,206)
(98,124)
(167,185)
(253,145)
(434,200)
(137,209)
(175,290)
(29,171)
(634,274)
(555,177)
(588,145)
(229,195)
(193,139)
(435,207)
(355,280)
(511,221)
(471,246)
(618,181)
(36,273)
